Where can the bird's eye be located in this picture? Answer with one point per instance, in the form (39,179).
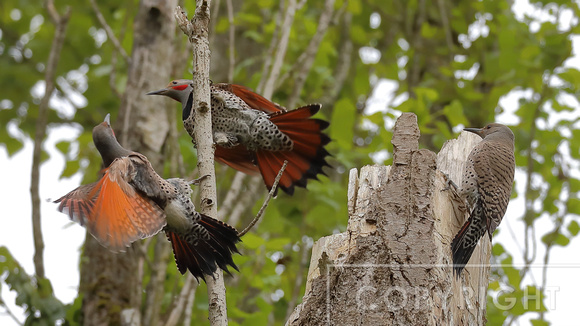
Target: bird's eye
(174,82)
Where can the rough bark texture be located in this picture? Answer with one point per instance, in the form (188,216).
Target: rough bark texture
(198,31)
(393,264)
(111,283)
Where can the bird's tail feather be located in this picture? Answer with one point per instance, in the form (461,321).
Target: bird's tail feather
(465,241)
(203,257)
(308,155)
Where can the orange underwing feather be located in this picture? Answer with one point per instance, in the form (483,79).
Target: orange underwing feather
(120,215)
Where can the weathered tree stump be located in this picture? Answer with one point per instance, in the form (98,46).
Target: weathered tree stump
(393,264)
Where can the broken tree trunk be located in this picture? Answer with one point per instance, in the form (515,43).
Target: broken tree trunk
(392,266)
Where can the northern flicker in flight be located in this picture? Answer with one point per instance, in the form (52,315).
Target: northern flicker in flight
(131,202)
(254,135)
(487,184)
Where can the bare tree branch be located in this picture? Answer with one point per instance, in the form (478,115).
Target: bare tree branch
(271,49)
(446,28)
(189,308)
(248,199)
(197,31)
(233,193)
(110,33)
(231,40)
(214,19)
(61,23)
(304,259)
(155,289)
(187,290)
(10,313)
(343,63)
(415,67)
(281,49)
(306,59)
(266,201)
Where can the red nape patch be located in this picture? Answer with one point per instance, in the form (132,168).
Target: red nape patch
(180,87)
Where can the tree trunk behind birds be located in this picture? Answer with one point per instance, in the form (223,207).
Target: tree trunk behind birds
(111,284)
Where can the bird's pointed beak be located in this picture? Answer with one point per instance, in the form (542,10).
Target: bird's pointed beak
(108,119)
(159,92)
(476,131)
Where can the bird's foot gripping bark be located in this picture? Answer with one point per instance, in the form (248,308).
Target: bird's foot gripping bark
(196,182)
(449,184)
(225,140)
(459,204)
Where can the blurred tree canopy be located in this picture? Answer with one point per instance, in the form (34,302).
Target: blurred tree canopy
(453,63)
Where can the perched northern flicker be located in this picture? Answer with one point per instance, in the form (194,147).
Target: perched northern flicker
(131,202)
(487,184)
(254,135)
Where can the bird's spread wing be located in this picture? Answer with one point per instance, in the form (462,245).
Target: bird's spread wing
(113,212)
(77,204)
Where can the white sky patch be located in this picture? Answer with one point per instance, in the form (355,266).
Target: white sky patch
(62,238)
(467,74)
(99,35)
(403,44)
(522,9)
(375,20)
(15,14)
(369,55)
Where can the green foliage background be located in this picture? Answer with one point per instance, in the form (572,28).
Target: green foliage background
(452,61)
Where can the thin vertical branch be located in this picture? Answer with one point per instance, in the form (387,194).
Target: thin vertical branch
(271,49)
(249,198)
(446,28)
(110,33)
(61,23)
(155,286)
(198,30)
(306,60)
(233,193)
(343,63)
(304,258)
(282,47)
(189,306)
(215,12)
(231,40)
(415,66)
(181,304)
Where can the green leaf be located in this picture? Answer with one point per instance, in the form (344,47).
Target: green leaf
(573,228)
(70,168)
(343,117)
(454,113)
(573,205)
(571,75)
(252,241)
(539,322)
(277,243)
(497,249)
(562,240)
